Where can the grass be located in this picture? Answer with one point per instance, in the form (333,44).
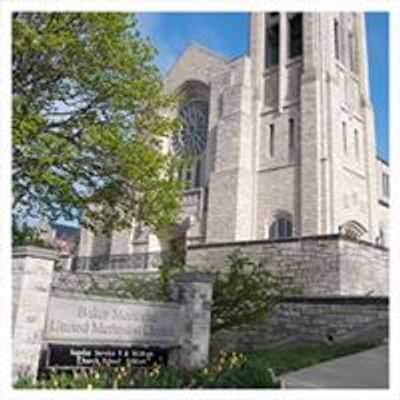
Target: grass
(285,360)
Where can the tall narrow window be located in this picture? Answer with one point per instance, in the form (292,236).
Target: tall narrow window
(385,185)
(272,45)
(296,35)
(271,140)
(336,35)
(197,175)
(344,135)
(291,139)
(352,58)
(357,144)
(382,236)
(220,104)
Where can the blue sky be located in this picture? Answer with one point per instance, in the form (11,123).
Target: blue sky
(227,33)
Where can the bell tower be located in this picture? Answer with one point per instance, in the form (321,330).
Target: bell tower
(316,155)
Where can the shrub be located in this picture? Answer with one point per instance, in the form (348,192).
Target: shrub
(24,235)
(246,293)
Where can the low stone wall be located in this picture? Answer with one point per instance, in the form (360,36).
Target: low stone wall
(320,265)
(49,310)
(84,281)
(364,269)
(311,320)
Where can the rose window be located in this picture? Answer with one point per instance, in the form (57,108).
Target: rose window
(191,140)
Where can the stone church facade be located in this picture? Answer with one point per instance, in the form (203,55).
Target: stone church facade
(282,139)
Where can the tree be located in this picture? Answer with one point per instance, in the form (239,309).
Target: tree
(90,121)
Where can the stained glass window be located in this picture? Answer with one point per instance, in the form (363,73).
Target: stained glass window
(191,140)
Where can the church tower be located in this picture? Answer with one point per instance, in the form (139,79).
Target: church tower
(314,133)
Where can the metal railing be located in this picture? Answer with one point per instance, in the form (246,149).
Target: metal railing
(134,261)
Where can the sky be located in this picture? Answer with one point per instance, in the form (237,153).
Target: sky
(227,33)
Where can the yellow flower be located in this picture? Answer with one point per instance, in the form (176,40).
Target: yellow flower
(89,386)
(55,383)
(205,371)
(97,376)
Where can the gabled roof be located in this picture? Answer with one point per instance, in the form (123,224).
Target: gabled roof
(197,47)
(194,63)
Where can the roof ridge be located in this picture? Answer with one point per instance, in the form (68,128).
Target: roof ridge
(198,46)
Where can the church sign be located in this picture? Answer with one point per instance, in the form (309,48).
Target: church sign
(99,320)
(83,331)
(74,356)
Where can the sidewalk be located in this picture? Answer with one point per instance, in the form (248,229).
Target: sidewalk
(368,369)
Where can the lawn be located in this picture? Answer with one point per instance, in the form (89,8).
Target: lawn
(285,360)
(257,369)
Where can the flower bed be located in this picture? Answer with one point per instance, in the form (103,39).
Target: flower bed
(259,369)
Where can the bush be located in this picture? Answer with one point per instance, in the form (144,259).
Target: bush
(157,288)
(24,235)
(246,293)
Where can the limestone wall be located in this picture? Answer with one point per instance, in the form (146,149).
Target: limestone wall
(48,310)
(312,320)
(323,265)
(363,269)
(67,281)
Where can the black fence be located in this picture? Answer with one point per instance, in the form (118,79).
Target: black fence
(134,261)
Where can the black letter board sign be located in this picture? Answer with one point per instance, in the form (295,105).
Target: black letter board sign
(65,356)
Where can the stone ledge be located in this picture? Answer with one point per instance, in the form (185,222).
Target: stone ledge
(384,300)
(35,252)
(115,299)
(332,237)
(263,241)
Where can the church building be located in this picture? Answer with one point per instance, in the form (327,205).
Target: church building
(282,139)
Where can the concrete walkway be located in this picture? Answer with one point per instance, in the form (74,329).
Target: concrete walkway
(368,369)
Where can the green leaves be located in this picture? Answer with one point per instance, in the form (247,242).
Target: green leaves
(245,293)
(89,122)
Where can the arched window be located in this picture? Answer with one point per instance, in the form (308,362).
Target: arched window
(281,227)
(190,142)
